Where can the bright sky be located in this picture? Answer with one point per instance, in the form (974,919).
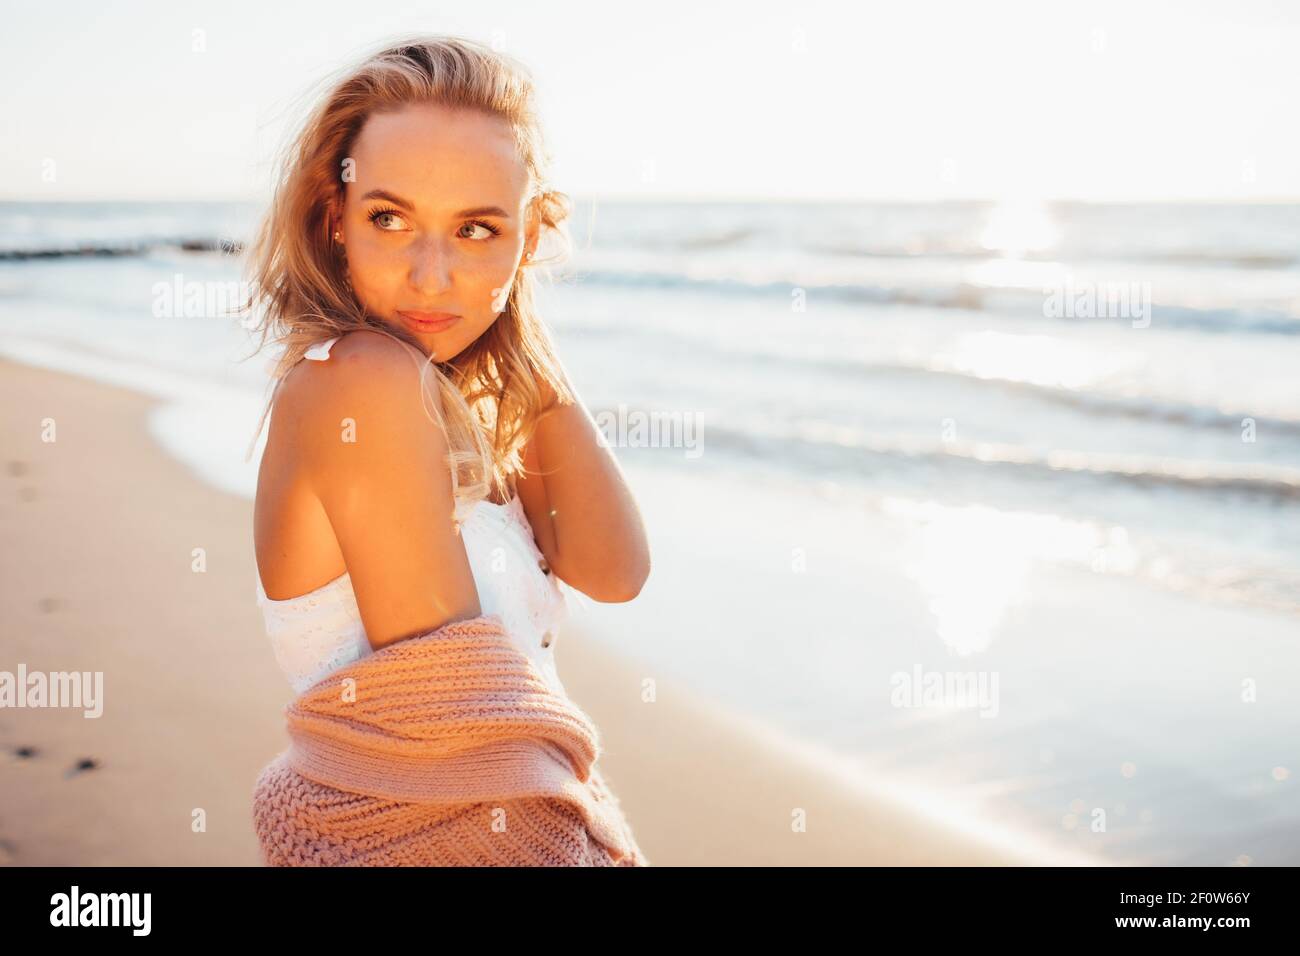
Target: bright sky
(908,100)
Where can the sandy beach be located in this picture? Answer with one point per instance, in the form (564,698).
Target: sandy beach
(116,559)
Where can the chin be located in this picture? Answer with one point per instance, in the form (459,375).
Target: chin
(444,354)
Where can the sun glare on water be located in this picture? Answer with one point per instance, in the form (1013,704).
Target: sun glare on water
(1017,227)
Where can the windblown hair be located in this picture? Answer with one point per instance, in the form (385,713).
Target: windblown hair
(489,392)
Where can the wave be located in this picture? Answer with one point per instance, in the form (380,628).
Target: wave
(141,247)
(1163,411)
(823,447)
(1261,259)
(720,240)
(956,296)
(1094,404)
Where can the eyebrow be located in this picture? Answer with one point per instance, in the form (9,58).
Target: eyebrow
(410,207)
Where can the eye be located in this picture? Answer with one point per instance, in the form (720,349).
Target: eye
(484,225)
(374,217)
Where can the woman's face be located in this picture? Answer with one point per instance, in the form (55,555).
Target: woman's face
(434,221)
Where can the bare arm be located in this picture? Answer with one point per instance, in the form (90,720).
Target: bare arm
(584,517)
(378,465)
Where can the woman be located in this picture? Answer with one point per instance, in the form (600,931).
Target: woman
(428,475)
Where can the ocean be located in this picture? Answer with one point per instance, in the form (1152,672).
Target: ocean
(1056,445)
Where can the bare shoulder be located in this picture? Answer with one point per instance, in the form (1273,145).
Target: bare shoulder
(364,345)
(357,360)
(364,369)
(370,451)
(367,397)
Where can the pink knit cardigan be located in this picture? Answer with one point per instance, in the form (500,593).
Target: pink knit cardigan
(446,749)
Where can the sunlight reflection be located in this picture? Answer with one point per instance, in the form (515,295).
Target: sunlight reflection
(974,562)
(1017,227)
(1016,274)
(1037,359)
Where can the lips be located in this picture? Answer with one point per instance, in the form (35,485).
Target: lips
(429,321)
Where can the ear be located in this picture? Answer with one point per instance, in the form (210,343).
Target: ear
(334,216)
(532,230)
(531,236)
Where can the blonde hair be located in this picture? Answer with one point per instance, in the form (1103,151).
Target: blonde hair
(490,392)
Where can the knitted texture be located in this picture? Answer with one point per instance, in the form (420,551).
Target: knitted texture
(445,749)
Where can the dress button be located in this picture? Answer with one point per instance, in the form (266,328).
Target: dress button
(546,639)
(541,563)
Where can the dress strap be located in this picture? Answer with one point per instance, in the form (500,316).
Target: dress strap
(321,350)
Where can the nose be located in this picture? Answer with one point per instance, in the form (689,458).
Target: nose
(431,266)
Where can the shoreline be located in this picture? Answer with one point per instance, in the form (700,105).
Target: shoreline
(117,559)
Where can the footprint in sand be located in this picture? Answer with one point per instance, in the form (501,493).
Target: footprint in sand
(48,605)
(85,763)
(17,468)
(27,493)
(25,752)
(8,851)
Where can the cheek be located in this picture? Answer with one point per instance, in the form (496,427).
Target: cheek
(372,269)
(370,255)
(495,274)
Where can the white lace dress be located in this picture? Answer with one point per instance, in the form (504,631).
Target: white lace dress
(316,633)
